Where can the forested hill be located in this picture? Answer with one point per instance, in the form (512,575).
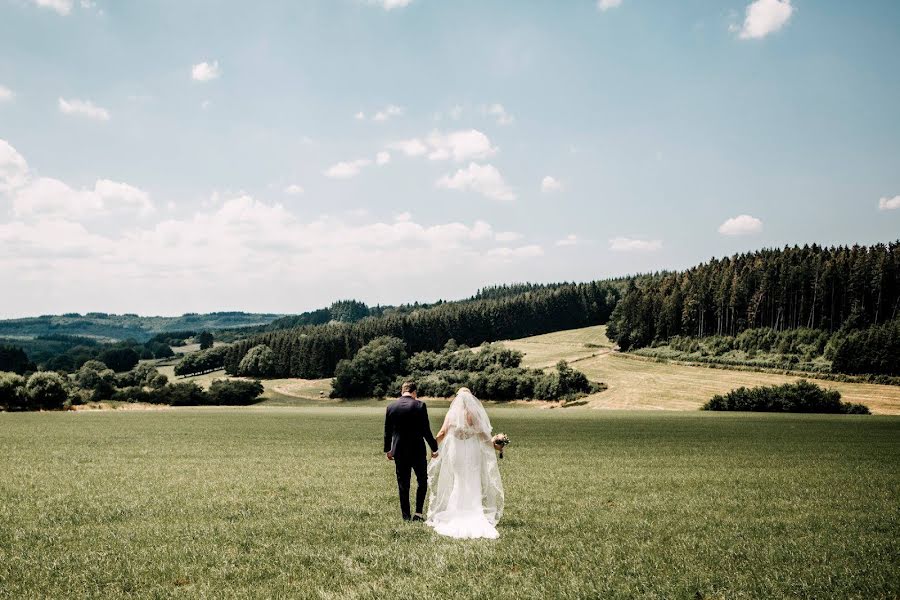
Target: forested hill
(313,351)
(829,289)
(128,326)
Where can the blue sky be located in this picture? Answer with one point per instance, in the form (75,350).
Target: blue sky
(168,156)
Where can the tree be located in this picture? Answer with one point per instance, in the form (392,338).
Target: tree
(14,360)
(206,340)
(348,311)
(46,389)
(120,359)
(12,392)
(372,370)
(258,362)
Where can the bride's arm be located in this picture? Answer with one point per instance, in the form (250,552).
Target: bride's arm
(443,432)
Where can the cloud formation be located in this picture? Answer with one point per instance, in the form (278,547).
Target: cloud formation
(83,108)
(550,184)
(889,203)
(6,94)
(206,71)
(764,17)
(626,244)
(741,225)
(604,5)
(484,179)
(62,7)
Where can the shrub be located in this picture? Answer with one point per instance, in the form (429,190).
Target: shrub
(234,392)
(258,362)
(181,394)
(800,397)
(47,390)
(12,392)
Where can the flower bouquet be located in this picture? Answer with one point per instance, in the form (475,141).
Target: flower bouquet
(501,441)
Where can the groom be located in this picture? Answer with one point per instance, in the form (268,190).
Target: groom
(405,426)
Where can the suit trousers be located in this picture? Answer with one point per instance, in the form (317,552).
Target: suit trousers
(403,466)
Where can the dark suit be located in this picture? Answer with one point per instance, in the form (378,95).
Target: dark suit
(406,429)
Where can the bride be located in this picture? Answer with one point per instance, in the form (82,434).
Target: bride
(466,498)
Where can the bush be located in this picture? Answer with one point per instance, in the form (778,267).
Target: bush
(181,394)
(12,392)
(800,397)
(234,392)
(46,390)
(258,362)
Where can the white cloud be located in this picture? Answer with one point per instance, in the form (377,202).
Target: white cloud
(13,168)
(604,5)
(497,110)
(293,190)
(412,147)
(460,145)
(550,184)
(348,169)
(403,217)
(382,158)
(530,251)
(569,240)
(6,94)
(508,236)
(206,71)
(883,203)
(360,116)
(391,4)
(62,7)
(83,108)
(741,225)
(764,17)
(484,179)
(388,112)
(46,197)
(625,244)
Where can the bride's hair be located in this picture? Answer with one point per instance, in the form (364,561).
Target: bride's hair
(466,390)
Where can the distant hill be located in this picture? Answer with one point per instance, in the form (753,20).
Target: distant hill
(103,326)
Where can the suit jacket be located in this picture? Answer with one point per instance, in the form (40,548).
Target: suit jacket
(406,428)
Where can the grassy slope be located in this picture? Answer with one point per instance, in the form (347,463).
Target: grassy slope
(641,384)
(287,502)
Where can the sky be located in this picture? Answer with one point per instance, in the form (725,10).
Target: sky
(162,157)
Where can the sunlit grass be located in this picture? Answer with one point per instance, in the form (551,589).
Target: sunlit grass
(300,502)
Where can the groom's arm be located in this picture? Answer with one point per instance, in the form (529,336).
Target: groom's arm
(388,431)
(426,430)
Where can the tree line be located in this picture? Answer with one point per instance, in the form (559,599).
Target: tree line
(313,352)
(814,287)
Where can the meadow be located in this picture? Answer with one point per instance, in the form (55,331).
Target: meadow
(636,382)
(299,502)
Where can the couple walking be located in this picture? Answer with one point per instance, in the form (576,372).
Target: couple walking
(466,499)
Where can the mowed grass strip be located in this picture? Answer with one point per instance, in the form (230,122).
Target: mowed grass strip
(300,502)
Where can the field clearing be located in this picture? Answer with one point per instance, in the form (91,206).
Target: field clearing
(644,384)
(266,502)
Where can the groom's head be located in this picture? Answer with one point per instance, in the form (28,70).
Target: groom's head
(408,388)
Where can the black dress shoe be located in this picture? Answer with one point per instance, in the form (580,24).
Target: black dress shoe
(418,518)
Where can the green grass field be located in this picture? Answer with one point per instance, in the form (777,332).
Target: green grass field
(268,502)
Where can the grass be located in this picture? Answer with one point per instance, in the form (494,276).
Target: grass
(637,383)
(268,502)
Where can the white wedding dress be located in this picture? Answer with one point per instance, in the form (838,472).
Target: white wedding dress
(466,493)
